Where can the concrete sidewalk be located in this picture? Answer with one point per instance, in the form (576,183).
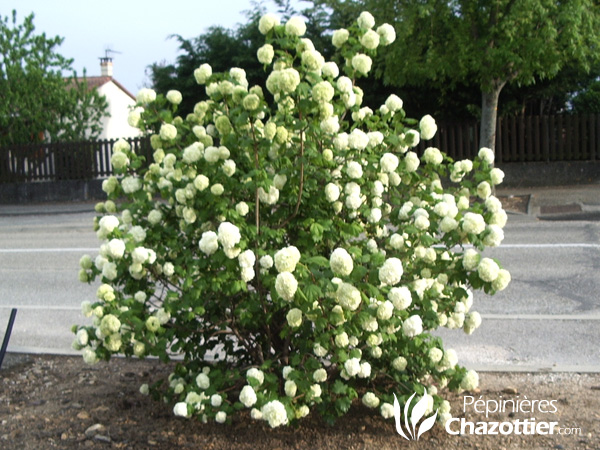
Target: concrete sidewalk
(577,202)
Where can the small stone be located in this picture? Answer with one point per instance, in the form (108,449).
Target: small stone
(510,390)
(64,437)
(559,447)
(94,429)
(83,415)
(102,438)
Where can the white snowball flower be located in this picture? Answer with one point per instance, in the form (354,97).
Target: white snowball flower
(387,410)
(266,262)
(242,208)
(174,97)
(286,285)
(294,317)
(344,84)
(370,400)
(385,310)
(428,127)
(181,409)
(471,258)
(389,162)
(400,297)
(339,37)
(361,63)
(470,381)
(332,192)
(486,155)
(348,296)
(269,198)
(168,132)
(391,272)
(484,190)
(473,223)
(290,388)
(366,20)
(295,26)
(201,182)
(286,259)
(274,413)
(246,259)
(330,69)
(412,161)
(203,381)
(488,270)
(394,103)
(358,139)
(131,184)
(352,366)
(472,322)
(341,340)
(497,176)
(256,374)
(399,363)
(119,160)
(228,167)
(354,169)
(370,40)
(433,156)
(502,281)
(203,73)
(248,396)
(116,248)
(228,235)
(375,215)
(221,417)
(412,326)
(267,22)
(387,34)
(145,95)
(265,54)
(341,262)
(330,125)
(494,236)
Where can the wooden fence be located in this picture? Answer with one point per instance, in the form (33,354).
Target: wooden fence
(525,139)
(63,160)
(518,139)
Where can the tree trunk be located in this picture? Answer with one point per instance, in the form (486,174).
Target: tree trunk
(489,113)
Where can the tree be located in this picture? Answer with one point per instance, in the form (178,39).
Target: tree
(37,102)
(224,47)
(588,101)
(491,43)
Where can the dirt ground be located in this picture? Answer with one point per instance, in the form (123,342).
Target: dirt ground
(60,402)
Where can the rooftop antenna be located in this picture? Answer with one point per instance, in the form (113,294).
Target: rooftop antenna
(107,52)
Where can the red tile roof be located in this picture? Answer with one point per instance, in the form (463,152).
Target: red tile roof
(96,82)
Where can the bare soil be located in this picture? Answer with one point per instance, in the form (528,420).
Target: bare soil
(60,402)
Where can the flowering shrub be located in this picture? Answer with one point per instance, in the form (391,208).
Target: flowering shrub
(289,245)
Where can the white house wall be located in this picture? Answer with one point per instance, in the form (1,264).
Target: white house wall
(115,125)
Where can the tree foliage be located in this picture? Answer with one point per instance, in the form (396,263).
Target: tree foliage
(37,102)
(486,43)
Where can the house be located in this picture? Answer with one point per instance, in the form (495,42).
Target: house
(119,99)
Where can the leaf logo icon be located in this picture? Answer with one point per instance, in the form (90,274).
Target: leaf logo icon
(409,431)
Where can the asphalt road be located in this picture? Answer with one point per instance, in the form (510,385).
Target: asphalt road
(547,319)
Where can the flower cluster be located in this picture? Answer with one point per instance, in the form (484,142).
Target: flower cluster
(292,253)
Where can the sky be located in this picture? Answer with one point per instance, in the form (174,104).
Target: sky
(137,29)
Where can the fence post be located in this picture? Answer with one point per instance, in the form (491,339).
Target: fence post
(11,321)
